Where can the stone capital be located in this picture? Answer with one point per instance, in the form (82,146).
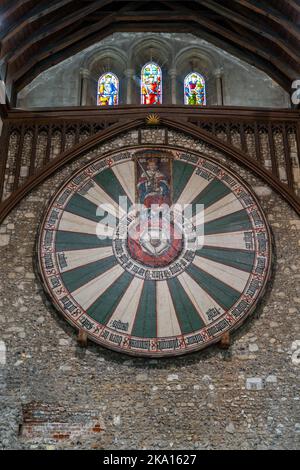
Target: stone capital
(129,73)
(172,73)
(218,73)
(85,73)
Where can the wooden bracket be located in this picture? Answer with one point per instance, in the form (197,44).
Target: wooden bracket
(225,341)
(82,339)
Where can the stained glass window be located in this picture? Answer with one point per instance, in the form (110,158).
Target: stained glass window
(108,90)
(194,89)
(151,84)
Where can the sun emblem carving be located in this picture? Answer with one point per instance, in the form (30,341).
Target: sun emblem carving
(153,120)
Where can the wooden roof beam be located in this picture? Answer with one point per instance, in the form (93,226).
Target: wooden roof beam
(272,15)
(66,42)
(245,44)
(54,28)
(252,26)
(283,80)
(282,4)
(7,10)
(34,14)
(36,51)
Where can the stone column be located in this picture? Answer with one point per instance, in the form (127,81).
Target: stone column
(173,78)
(129,74)
(219,84)
(2,101)
(85,79)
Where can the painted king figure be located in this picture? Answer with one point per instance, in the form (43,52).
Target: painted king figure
(153,185)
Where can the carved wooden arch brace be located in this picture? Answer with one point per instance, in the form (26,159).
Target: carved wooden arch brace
(116,129)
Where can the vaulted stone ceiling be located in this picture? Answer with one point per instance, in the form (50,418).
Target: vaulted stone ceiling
(37,34)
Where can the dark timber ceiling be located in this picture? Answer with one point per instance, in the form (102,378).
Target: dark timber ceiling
(36,34)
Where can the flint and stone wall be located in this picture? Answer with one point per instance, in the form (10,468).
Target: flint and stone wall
(54,394)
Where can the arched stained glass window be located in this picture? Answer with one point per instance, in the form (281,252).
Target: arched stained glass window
(108,90)
(151,84)
(194,89)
